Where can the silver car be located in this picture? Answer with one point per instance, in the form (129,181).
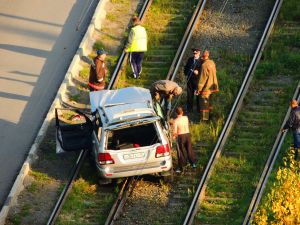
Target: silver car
(126,133)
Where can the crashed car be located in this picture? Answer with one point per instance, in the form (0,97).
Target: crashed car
(127,134)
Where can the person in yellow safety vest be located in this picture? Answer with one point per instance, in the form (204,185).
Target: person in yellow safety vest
(207,85)
(136,46)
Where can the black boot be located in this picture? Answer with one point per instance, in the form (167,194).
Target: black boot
(204,116)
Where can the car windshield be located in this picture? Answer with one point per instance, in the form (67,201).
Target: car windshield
(132,137)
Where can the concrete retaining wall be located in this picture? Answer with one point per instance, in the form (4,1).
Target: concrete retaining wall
(85,48)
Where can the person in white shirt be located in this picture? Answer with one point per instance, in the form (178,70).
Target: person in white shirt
(183,137)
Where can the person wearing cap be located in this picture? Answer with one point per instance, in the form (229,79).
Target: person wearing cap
(98,72)
(136,46)
(182,135)
(293,123)
(191,70)
(164,90)
(207,85)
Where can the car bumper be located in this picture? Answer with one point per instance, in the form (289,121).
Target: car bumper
(111,171)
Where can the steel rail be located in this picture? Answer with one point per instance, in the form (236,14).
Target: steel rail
(122,197)
(116,210)
(269,165)
(185,40)
(115,75)
(232,116)
(67,188)
(123,194)
(76,168)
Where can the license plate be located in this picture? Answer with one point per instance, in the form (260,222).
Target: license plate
(135,155)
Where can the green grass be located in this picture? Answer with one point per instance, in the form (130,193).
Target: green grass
(98,45)
(229,78)
(84,73)
(158,35)
(75,97)
(236,176)
(17,218)
(40,177)
(86,197)
(111,16)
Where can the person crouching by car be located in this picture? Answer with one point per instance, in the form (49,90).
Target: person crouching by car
(164,90)
(98,72)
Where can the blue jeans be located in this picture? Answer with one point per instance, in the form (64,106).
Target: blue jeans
(167,104)
(296,136)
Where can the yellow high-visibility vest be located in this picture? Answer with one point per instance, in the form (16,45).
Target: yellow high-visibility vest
(139,39)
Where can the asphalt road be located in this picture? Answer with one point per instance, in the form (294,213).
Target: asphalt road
(37,43)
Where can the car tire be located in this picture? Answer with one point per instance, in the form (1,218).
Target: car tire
(169,177)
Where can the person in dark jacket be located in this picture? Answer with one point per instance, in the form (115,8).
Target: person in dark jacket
(98,72)
(207,85)
(293,123)
(192,70)
(164,90)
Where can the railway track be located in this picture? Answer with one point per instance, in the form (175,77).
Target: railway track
(268,166)
(112,84)
(82,155)
(151,59)
(225,196)
(116,210)
(153,70)
(185,184)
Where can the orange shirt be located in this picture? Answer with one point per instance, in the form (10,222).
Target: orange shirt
(181,125)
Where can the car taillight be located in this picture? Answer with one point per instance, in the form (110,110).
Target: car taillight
(162,150)
(105,158)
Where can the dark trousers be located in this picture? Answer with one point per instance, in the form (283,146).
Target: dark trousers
(191,88)
(136,59)
(296,136)
(184,149)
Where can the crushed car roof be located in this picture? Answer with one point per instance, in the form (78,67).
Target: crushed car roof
(122,104)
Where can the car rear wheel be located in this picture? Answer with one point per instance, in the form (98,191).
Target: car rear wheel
(168,176)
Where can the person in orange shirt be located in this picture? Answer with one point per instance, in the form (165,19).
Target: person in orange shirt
(183,138)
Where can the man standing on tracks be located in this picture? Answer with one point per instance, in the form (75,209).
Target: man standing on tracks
(183,140)
(191,70)
(207,85)
(165,90)
(98,72)
(293,123)
(136,46)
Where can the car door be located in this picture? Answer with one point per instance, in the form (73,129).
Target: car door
(165,125)
(73,130)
